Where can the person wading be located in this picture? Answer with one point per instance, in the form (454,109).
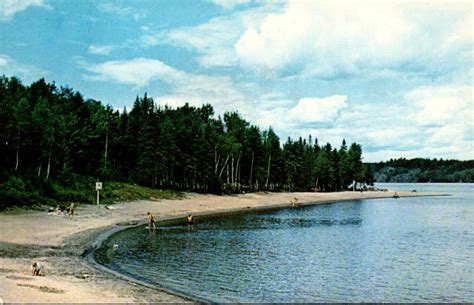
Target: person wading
(151,221)
(190,222)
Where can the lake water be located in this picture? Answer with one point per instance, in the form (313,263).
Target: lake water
(378,250)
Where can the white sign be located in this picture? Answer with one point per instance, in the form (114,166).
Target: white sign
(98,186)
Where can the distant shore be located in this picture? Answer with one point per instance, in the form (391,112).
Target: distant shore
(59,243)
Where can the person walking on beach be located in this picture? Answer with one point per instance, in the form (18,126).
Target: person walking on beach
(151,221)
(70,212)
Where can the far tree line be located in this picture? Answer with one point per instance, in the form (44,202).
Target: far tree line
(52,134)
(424,170)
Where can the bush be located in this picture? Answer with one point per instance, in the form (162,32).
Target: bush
(10,199)
(15,184)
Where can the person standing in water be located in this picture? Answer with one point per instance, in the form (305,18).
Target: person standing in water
(190,222)
(151,221)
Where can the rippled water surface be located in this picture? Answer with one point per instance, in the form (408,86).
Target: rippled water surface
(379,250)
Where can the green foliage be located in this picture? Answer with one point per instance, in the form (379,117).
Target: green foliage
(16,192)
(423,170)
(118,192)
(54,145)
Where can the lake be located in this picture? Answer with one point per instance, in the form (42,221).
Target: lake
(379,250)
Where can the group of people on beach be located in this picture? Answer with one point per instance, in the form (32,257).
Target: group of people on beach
(69,211)
(152,221)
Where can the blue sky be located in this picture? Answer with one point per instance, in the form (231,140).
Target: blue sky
(395,77)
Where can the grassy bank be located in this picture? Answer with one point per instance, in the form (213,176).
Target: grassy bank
(18,192)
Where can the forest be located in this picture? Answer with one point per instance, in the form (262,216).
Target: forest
(423,170)
(54,144)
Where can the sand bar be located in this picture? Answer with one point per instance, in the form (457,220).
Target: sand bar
(58,243)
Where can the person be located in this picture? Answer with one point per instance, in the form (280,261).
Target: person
(294,202)
(70,212)
(190,221)
(151,220)
(37,269)
(58,210)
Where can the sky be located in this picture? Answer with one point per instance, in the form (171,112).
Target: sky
(393,76)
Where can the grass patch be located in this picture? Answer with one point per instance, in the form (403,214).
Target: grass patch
(119,192)
(17,193)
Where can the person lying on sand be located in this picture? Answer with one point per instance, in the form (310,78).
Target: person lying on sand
(37,269)
(151,221)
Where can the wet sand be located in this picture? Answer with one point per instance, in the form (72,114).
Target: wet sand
(59,244)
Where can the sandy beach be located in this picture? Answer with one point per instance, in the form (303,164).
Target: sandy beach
(58,243)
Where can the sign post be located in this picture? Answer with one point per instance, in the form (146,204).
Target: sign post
(98,187)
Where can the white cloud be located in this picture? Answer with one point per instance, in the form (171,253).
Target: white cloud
(441,105)
(429,121)
(124,12)
(385,130)
(327,39)
(138,72)
(212,40)
(302,117)
(330,39)
(99,49)
(27,73)
(3,61)
(445,152)
(196,89)
(322,110)
(229,4)
(8,8)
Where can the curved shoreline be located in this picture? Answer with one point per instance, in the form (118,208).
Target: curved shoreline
(88,253)
(88,256)
(62,245)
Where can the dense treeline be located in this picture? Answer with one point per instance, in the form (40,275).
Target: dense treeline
(51,137)
(424,170)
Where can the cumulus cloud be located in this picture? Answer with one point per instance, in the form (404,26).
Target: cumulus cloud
(430,121)
(212,40)
(195,89)
(449,111)
(304,116)
(441,105)
(138,72)
(330,39)
(322,110)
(326,39)
(8,8)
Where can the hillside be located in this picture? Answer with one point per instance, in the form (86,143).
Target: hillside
(423,170)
